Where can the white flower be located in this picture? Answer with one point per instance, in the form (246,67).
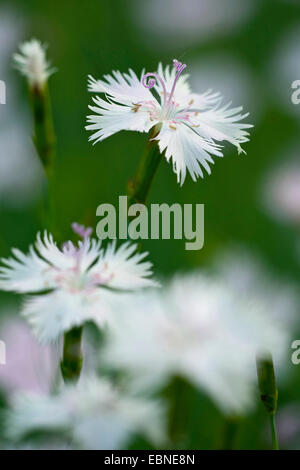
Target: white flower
(31,61)
(187,125)
(203,329)
(170,24)
(76,277)
(93,414)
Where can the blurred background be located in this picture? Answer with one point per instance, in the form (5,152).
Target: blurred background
(249,50)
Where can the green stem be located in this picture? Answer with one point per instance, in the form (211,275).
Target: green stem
(139,187)
(71,362)
(44,137)
(45,144)
(177,395)
(275,445)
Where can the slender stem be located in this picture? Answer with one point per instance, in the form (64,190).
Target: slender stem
(177,413)
(44,137)
(275,445)
(71,362)
(45,144)
(139,187)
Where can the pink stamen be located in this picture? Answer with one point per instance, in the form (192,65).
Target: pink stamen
(179,67)
(81,230)
(153,81)
(168,97)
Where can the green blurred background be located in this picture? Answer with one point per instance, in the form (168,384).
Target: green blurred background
(248,45)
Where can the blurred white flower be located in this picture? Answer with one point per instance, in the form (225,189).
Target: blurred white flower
(32,63)
(10,28)
(281,191)
(75,276)
(205,329)
(187,125)
(29,366)
(232,77)
(17,188)
(93,414)
(243,272)
(284,69)
(173,23)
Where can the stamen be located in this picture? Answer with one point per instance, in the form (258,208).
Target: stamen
(149,80)
(153,81)
(179,67)
(81,230)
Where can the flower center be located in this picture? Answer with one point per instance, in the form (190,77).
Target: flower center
(151,79)
(73,279)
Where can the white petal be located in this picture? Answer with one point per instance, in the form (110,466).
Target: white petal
(25,273)
(90,250)
(52,314)
(205,100)
(92,415)
(48,249)
(111,118)
(31,412)
(223,125)
(124,88)
(32,62)
(122,269)
(188,150)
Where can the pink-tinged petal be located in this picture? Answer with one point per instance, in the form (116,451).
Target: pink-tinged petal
(123,268)
(29,366)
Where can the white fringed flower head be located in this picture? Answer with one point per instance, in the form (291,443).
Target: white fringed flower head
(204,329)
(31,61)
(92,414)
(188,126)
(76,277)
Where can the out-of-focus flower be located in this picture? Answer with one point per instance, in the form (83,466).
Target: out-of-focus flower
(75,276)
(284,69)
(32,63)
(243,272)
(14,128)
(29,366)
(92,414)
(176,24)
(281,192)
(232,77)
(187,125)
(205,329)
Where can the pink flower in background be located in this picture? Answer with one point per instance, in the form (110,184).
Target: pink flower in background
(29,366)
(281,192)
